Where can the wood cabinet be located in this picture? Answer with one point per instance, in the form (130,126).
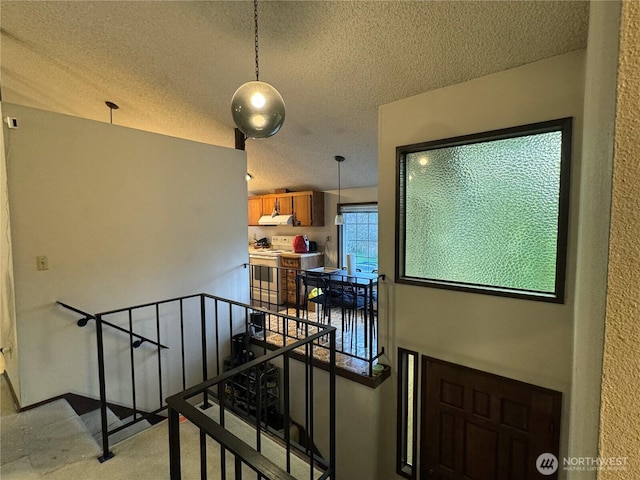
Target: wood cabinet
(285,204)
(303,211)
(307,208)
(255,210)
(292,264)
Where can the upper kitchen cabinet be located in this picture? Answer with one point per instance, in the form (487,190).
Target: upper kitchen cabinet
(255,210)
(307,208)
(283,201)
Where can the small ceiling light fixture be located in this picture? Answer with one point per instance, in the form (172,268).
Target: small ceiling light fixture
(248,177)
(112,106)
(257,107)
(339,218)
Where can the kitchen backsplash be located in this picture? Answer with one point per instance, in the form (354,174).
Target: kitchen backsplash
(330,248)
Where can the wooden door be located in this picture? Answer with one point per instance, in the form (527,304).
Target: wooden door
(479,426)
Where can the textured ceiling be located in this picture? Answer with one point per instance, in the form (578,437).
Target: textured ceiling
(173,67)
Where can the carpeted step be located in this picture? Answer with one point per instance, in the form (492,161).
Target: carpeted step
(39,441)
(94,424)
(130,431)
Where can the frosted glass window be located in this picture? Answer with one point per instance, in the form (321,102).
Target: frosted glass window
(487,212)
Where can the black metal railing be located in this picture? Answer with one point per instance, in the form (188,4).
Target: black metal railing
(86,317)
(163,324)
(331,296)
(248,454)
(192,339)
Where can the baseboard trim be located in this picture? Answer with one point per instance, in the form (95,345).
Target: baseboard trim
(16,403)
(82,404)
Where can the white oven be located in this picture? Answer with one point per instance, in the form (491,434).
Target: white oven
(265,277)
(265,271)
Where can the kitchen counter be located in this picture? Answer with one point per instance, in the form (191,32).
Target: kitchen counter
(301,255)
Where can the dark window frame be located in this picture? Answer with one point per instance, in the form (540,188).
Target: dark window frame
(403,468)
(563,125)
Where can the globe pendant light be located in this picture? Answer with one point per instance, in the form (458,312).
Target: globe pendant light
(257,107)
(339,220)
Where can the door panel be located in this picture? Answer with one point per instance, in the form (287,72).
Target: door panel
(302,210)
(483,443)
(255,210)
(479,426)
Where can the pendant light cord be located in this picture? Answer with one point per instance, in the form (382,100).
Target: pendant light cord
(339,188)
(255,21)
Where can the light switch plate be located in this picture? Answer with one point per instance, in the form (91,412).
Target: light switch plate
(42,262)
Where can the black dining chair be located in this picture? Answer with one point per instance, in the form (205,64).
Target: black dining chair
(346,297)
(322,300)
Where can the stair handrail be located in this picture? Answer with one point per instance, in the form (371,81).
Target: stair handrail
(180,404)
(88,316)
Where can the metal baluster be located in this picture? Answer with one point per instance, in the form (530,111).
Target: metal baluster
(371,327)
(223,456)
(106,454)
(174,445)
(287,406)
(133,370)
(159,350)
(306,387)
(203,348)
(258,393)
(215,318)
(332,404)
(311,429)
(184,375)
(203,454)
(238,468)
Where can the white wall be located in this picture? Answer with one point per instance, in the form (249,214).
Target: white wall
(593,235)
(320,234)
(8,334)
(125,217)
(357,429)
(521,339)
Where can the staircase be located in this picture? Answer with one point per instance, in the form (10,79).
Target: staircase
(54,442)
(57,434)
(186,342)
(92,421)
(43,440)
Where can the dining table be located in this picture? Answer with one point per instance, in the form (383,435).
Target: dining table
(363,284)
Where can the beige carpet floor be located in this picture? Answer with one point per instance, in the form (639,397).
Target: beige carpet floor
(50,442)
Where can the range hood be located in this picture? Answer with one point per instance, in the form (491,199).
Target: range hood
(276,220)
